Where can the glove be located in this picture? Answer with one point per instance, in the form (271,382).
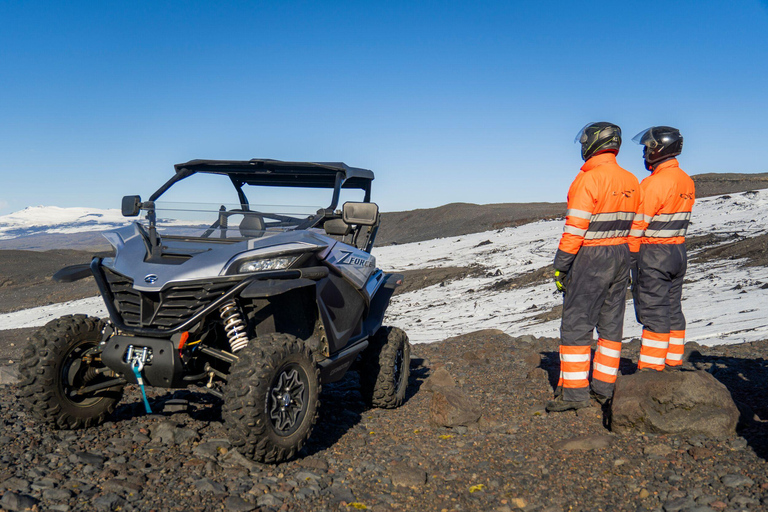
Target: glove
(560,280)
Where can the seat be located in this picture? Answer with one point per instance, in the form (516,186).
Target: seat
(252,226)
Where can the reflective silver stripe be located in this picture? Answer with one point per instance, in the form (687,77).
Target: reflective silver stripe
(571,212)
(574,231)
(609,352)
(597,235)
(640,217)
(636,232)
(652,360)
(576,375)
(655,344)
(605,369)
(665,233)
(674,357)
(575,358)
(669,217)
(612,216)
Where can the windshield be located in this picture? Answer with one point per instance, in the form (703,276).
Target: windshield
(228,221)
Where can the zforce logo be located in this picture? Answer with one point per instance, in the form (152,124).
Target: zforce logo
(349,258)
(686,196)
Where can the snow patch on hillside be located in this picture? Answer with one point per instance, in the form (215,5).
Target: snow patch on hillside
(53,219)
(723,302)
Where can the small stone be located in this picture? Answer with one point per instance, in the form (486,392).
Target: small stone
(619,462)
(518,502)
(591,442)
(643,494)
(738,443)
(736,480)
(87,458)
(341,493)
(16,484)
(57,494)
(211,449)
(9,375)
(268,500)
(677,504)
(16,502)
(699,452)
(403,475)
(238,504)
(208,485)
(657,450)
(318,464)
(537,410)
(235,458)
(108,502)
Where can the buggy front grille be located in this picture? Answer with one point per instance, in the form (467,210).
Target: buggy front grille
(165,309)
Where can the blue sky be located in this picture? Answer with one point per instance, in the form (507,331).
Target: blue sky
(446,101)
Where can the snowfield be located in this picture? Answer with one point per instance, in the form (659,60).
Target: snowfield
(53,219)
(724,302)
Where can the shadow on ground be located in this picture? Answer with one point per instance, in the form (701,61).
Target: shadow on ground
(747,381)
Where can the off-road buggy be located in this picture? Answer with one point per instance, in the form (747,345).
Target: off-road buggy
(258,306)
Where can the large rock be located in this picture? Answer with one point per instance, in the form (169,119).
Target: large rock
(678,402)
(452,408)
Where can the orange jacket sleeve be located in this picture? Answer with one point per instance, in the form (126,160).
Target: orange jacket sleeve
(581,205)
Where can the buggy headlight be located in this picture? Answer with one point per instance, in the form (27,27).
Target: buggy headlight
(276,263)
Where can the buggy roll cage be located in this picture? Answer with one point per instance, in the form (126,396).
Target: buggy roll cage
(274,173)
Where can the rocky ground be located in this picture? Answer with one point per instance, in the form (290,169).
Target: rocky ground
(517,457)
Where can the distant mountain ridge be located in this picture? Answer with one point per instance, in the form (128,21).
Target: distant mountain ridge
(41,228)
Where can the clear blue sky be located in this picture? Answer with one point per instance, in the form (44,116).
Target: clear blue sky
(446,101)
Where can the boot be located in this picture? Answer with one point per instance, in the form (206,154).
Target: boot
(560,405)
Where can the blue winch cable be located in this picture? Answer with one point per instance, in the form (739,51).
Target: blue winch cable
(137,372)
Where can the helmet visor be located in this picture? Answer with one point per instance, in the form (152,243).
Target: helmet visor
(646,138)
(581,137)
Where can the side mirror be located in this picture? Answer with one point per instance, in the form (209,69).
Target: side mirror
(362,214)
(131,206)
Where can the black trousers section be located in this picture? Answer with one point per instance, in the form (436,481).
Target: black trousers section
(659,288)
(595,295)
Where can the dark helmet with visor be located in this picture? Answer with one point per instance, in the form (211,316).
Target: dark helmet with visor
(598,138)
(661,143)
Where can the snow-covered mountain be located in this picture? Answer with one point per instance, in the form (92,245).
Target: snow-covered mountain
(724,301)
(35,220)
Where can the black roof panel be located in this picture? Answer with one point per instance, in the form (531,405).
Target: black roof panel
(282,174)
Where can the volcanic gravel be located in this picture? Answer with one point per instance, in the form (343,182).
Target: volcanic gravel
(517,457)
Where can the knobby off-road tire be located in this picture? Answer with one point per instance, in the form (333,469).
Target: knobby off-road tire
(52,367)
(385,368)
(271,398)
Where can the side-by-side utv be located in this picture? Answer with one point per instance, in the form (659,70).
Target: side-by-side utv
(257,305)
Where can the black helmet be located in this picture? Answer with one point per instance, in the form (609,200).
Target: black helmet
(598,138)
(661,143)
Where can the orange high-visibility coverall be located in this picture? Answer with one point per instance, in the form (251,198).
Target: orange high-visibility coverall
(602,202)
(657,240)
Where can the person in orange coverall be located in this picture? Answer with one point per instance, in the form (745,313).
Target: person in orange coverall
(592,269)
(657,242)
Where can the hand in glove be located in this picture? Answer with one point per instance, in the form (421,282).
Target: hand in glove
(560,280)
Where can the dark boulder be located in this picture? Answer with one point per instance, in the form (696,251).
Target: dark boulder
(676,402)
(452,408)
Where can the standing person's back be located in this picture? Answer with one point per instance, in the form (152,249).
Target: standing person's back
(658,243)
(592,268)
